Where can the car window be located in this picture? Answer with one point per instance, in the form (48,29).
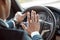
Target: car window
(28,3)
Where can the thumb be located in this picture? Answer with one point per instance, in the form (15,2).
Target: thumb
(24,15)
(23,26)
(19,13)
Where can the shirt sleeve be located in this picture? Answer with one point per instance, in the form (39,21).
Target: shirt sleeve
(34,33)
(36,36)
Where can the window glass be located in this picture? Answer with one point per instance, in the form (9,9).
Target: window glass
(29,3)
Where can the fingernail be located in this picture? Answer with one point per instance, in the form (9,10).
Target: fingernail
(30,21)
(32,11)
(28,12)
(37,14)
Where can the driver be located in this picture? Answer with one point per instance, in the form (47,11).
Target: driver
(33,23)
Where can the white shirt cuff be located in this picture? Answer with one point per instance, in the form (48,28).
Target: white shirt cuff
(34,33)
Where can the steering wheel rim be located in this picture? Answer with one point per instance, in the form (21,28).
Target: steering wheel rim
(44,9)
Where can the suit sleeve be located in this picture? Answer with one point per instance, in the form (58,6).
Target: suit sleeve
(11,24)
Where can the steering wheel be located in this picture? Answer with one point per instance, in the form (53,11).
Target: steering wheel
(47,21)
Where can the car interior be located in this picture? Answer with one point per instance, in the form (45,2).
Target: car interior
(50,18)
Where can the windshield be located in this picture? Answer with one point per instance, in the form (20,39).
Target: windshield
(29,3)
(45,1)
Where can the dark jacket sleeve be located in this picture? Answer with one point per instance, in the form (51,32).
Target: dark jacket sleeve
(11,24)
(37,37)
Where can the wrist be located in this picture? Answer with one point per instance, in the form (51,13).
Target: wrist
(15,20)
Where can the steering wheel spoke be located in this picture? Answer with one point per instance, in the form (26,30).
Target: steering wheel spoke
(45,22)
(44,31)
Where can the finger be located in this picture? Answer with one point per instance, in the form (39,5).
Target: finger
(24,15)
(32,16)
(28,17)
(19,13)
(31,21)
(23,26)
(38,17)
(35,18)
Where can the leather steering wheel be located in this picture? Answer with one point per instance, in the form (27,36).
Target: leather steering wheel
(47,21)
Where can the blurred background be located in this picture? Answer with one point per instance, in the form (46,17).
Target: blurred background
(29,3)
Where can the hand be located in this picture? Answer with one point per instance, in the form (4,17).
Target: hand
(19,17)
(33,23)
